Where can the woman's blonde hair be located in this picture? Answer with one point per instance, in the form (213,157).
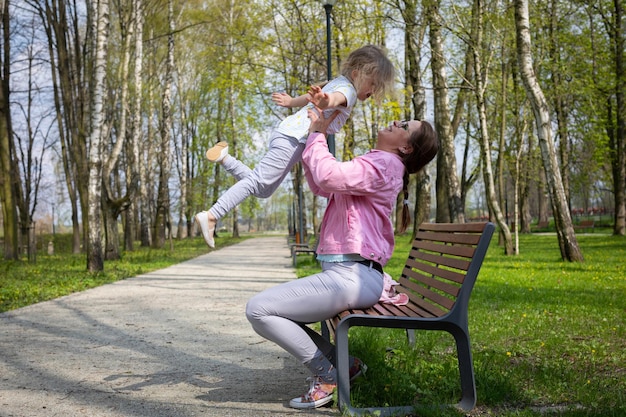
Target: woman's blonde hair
(371,61)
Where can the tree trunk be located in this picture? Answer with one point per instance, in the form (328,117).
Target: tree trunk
(100,19)
(446,162)
(113,206)
(618,161)
(7,189)
(415,104)
(162,221)
(133,154)
(568,243)
(485,142)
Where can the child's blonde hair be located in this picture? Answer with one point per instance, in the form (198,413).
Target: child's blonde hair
(371,61)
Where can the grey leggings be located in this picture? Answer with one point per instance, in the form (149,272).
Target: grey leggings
(280,313)
(283,153)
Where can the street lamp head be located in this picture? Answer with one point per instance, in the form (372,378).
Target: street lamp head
(330,3)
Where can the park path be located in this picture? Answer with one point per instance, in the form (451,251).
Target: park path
(174,342)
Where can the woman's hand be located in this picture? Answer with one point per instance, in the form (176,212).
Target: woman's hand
(318,122)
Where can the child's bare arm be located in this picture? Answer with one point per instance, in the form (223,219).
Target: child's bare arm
(325,100)
(285,100)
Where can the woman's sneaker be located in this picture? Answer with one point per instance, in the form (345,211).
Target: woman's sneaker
(217,152)
(320,393)
(357,368)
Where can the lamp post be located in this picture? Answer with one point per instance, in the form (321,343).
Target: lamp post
(328,8)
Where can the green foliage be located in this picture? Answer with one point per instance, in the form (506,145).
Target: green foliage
(548,338)
(23,283)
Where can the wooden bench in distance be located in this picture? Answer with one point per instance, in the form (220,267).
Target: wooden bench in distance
(584,225)
(439,276)
(299,248)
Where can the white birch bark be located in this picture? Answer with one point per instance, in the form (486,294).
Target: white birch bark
(100,19)
(443,119)
(485,141)
(134,159)
(568,243)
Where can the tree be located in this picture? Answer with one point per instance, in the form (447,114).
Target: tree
(100,21)
(563,222)
(480,86)
(449,206)
(163,214)
(7,174)
(61,23)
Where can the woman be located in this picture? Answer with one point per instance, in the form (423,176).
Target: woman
(356,240)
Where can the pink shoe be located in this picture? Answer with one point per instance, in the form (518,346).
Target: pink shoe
(202,219)
(217,152)
(319,394)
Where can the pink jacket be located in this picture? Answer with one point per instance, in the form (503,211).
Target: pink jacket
(361,196)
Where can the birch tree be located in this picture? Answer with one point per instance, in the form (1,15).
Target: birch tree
(162,221)
(447,178)
(100,19)
(481,81)
(414,100)
(568,243)
(133,155)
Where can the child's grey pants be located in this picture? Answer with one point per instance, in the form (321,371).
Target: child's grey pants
(283,153)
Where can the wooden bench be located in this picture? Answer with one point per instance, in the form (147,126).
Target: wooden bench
(542,225)
(584,225)
(439,275)
(299,248)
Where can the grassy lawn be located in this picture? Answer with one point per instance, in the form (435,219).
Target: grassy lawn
(548,337)
(23,283)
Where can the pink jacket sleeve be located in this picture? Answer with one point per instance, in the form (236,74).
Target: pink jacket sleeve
(326,175)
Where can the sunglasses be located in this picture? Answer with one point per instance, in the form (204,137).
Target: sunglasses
(404,124)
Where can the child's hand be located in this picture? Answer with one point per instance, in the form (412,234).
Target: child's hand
(317,97)
(282,99)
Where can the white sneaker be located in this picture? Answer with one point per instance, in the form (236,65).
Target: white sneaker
(217,152)
(202,219)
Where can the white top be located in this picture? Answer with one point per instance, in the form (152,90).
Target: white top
(297,125)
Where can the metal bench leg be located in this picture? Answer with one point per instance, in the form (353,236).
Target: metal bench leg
(466,370)
(343,367)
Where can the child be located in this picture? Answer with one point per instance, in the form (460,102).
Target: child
(366,72)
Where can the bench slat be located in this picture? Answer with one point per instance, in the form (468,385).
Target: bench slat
(454,227)
(451,250)
(455,238)
(412,267)
(438,259)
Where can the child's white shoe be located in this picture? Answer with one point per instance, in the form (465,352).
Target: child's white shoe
(208,228)
(217,152)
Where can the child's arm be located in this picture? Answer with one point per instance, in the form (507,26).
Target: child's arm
(325,100)
(285,100)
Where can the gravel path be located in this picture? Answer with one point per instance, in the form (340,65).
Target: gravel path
(174,342)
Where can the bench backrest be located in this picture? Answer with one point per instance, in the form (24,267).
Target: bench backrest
(443,264)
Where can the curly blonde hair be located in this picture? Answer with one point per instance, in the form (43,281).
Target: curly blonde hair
(371,61)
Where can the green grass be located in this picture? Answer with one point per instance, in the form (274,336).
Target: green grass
(548,337)
(51,276)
